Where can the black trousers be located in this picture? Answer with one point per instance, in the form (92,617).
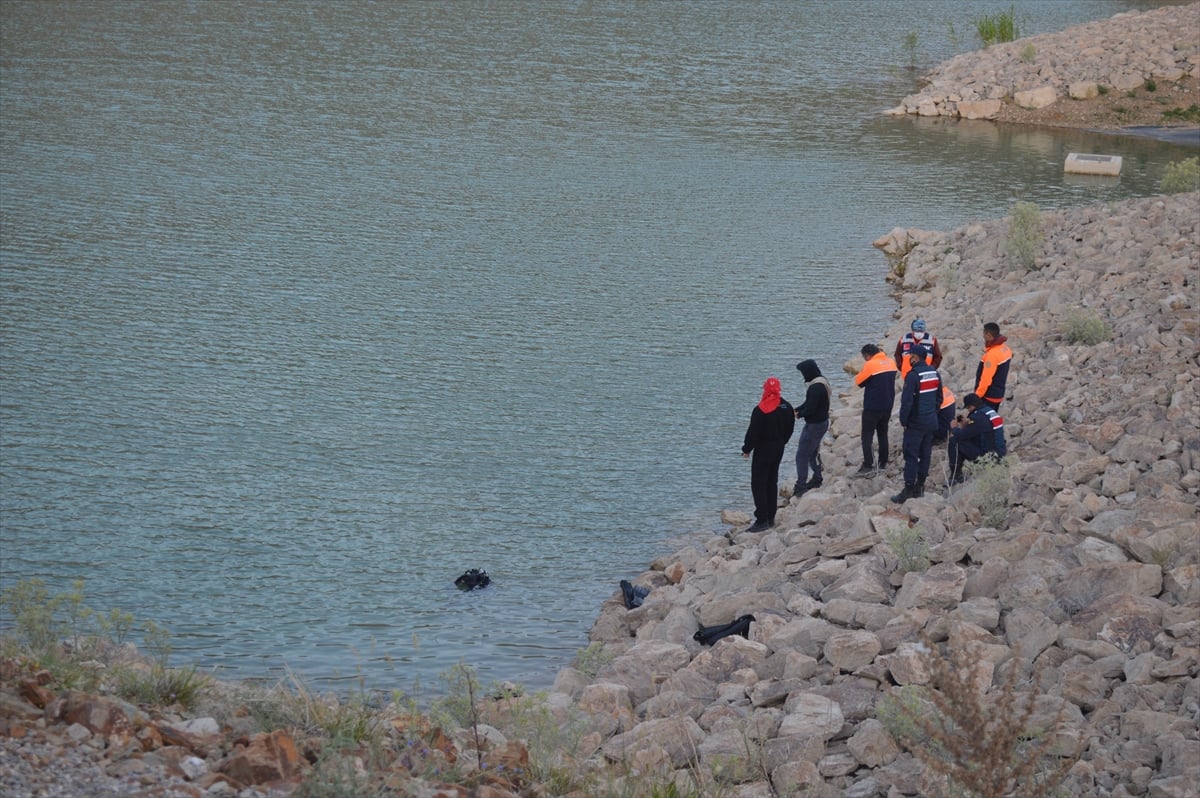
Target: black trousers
(764,481)
(875,425)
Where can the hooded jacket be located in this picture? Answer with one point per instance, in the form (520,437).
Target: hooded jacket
(816,401)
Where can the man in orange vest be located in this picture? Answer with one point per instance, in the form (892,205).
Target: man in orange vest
(991,375)
(878,381)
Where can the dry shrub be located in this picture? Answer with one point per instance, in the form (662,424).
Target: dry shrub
(981,743)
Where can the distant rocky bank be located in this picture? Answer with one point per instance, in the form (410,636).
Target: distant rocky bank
(1122,71)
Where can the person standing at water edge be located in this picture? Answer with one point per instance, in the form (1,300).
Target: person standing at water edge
(991,375)
(917,336)
(878,381)
(815,412)
(919,403)
(771,425)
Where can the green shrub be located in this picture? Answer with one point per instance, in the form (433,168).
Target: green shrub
(1181,176)
(997,28)
(589,661)
(1151,85)
(993,484)
(1189,114)
(1082,327)
(912,552)
(1025,234)
(1028,53)
(1102,90)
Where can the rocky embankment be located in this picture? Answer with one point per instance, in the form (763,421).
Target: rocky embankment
(1115,55)
(1092,579)
(1083,592)
(1081,595)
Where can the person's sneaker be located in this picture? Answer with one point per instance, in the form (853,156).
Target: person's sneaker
(759,526)
(865,471)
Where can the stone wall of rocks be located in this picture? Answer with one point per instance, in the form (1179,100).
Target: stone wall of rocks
(1120,53)
(1093,580)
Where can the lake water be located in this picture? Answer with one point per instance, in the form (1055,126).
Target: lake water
(309,307)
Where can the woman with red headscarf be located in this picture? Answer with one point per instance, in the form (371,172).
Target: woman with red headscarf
(771,425)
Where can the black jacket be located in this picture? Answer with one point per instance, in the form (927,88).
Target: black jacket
(770,431)
(816,401)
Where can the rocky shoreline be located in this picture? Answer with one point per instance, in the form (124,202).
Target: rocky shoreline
(1077,590)
(1109,74)
(1093,578)
(1087,588)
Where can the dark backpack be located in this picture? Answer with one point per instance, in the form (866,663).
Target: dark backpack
(707,635)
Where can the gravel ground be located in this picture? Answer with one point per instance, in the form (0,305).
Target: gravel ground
(43,766)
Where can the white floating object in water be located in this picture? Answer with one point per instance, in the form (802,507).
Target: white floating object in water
(1092,164)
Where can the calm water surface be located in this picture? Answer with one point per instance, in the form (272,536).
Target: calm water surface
(309,307)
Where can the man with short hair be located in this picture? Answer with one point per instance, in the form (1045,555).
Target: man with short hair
(991,375)
(877,378)
(980,433)
(919,402)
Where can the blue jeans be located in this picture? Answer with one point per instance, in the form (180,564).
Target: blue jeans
(808,451)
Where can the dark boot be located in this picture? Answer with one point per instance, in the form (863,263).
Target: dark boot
(909,492)
(919,490)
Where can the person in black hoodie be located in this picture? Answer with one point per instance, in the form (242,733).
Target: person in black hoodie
(771,425)
(815,412)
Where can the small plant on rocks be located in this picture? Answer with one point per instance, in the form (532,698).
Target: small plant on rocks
(1082,327)
(993,484)
(973,741)
(1180,176)
(1025,235)
(912,552)
(590,660)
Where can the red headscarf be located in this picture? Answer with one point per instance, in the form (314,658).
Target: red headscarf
(770,397)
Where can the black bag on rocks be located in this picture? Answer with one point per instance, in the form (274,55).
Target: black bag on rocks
(633,595)
(707,635)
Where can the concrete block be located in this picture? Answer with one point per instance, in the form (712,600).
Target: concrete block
(1084,164)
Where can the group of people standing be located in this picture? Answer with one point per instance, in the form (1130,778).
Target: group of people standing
(927,416)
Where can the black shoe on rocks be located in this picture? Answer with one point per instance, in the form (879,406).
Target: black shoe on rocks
(865,471)
(760,526)
(909,492)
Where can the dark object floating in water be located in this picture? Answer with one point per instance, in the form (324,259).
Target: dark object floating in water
(707,635)
(472,579)
(634,596)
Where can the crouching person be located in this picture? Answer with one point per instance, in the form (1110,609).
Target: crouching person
(980,433)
